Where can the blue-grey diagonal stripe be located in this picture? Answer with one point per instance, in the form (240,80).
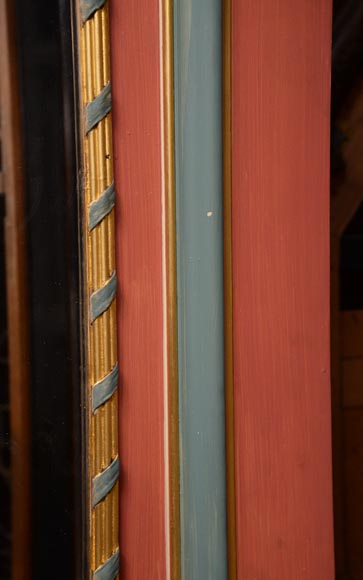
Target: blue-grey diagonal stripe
(97,109)
(103,483)
(104,389)
(110,569)
(89,7)
(102,298)
(101,207)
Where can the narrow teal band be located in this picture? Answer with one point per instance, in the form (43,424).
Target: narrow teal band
(102,298)
(110,569)
(97,109)
(103,483)
(89,7)
(101,207)
(104,389)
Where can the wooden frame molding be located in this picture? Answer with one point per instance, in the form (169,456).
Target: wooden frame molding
(17,303)
(199,198)
(228,289)
(143,122)
(170,283)
(100,287)
(280,72)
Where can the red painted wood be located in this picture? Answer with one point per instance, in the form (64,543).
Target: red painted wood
(280,238)
(137,150)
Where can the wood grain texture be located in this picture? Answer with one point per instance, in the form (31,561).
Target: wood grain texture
(280,236)
(17,303)
(135,54)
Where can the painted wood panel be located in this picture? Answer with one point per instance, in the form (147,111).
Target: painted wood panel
(199,192)
(135,55)
(280,236)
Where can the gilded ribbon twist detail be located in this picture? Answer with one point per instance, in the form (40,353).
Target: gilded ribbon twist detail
(99,201)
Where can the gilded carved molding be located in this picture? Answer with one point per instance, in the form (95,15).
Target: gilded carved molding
(100,290)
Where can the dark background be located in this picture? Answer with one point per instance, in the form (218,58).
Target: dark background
(52,221)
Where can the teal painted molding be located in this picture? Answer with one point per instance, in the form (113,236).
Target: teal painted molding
(199,193)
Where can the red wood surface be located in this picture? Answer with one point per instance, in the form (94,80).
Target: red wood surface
(137,150)
(280,239)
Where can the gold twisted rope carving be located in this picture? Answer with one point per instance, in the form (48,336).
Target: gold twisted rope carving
(94,55)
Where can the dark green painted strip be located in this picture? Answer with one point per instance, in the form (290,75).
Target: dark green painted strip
(198,99)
